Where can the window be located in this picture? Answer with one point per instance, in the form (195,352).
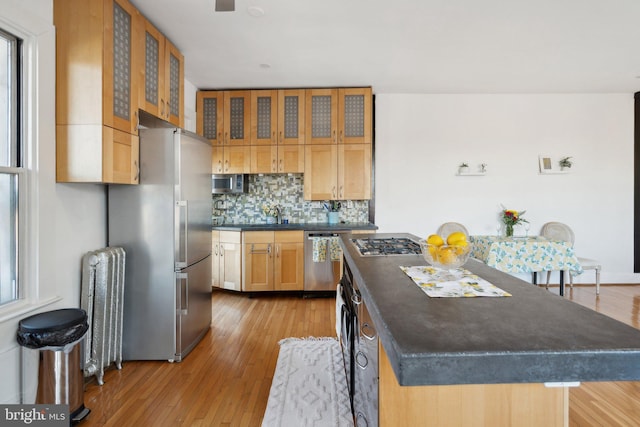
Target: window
(11,168)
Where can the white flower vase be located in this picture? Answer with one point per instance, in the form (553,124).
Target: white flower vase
(332,217)
(271,219)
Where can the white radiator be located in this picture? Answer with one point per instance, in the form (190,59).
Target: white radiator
(102,298)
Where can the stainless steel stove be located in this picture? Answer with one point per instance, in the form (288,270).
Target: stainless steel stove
(376,246)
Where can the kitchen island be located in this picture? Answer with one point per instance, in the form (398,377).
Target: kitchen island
(485,360)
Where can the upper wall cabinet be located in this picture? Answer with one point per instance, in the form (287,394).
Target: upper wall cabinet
(236,112)
(264,117)
(291,116)
(355,116)
(339,116)
(97,91)
(162,77)
(209,117)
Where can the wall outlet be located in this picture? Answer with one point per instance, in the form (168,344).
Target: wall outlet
(349,204)
(316,205)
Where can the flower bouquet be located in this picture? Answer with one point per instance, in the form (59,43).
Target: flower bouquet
(271,211)
(510,218)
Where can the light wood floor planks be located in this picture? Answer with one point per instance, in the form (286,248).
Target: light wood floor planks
(225,381)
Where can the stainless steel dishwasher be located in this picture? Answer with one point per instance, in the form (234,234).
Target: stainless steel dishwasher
(322,271)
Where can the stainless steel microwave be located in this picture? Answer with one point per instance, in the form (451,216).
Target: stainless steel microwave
(229,183)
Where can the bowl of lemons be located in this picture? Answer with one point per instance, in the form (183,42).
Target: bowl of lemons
(449,253)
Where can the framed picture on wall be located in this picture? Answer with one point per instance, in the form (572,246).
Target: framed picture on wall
(546,164)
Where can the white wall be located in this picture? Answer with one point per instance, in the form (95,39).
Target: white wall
(421,139)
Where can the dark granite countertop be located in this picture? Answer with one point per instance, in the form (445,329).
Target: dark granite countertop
(533,336)
(315,226)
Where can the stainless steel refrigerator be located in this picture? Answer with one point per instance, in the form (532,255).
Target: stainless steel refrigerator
(164,226)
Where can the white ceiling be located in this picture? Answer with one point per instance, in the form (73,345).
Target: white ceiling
(408,46)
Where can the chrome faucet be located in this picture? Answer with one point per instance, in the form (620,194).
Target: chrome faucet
(278,215)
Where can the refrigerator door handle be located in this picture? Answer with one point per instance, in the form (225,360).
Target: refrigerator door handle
(182,292)
(182,217)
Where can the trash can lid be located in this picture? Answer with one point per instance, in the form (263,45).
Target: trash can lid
(52,321)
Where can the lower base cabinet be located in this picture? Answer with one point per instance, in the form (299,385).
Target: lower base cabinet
(526,405)
(227,260)
(273,261)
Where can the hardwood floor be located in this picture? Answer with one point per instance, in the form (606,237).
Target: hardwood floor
(225,381)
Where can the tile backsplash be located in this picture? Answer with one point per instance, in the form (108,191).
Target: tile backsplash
(287,192)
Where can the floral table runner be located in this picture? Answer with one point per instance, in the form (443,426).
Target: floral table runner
(438,283)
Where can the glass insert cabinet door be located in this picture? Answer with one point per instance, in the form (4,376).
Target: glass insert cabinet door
(291,116)
(237,125)
(339,116)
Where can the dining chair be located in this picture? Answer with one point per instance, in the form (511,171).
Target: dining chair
(559,231)
(449,227)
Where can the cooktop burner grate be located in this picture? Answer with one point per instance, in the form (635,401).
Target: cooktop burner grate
(387,246)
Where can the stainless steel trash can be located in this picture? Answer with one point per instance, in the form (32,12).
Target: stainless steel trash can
(56,334)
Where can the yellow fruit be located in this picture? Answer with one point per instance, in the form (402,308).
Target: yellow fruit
(457,238)
(435,240)
(433,251)
(447,255)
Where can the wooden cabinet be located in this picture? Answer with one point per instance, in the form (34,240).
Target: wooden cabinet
(96,85)
(339,116)
(227,260)
(257,261)
(337,172)
(290,158)
(223,118)
(289,261)
(209,117)
(264,117)
(162,78)
(273,260)
(291,116)
(321,172)
(277,131)
(355,116)
(236,113)
(338,151)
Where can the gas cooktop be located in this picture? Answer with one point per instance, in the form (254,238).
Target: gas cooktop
(374,246)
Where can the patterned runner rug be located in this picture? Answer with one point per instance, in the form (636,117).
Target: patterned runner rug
(309,387)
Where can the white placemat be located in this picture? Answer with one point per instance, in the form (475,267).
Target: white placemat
(438,283)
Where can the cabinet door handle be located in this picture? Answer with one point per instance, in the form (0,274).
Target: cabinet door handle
(220,141)
(221,250)
(367,327)
(361,360)
(137,177)
(341,137)
(281,167)
(273,137)
(277,251)
(215,250)
(226,165)
(280,136)
(226,138)
(341,192)
(273,165)
(161,107)
(334,136)
(333,191)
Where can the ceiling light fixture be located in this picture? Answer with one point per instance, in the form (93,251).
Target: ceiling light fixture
(225,5)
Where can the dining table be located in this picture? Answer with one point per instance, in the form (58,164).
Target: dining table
(526,254)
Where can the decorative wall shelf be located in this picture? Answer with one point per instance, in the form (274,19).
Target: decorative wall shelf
(471,173)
